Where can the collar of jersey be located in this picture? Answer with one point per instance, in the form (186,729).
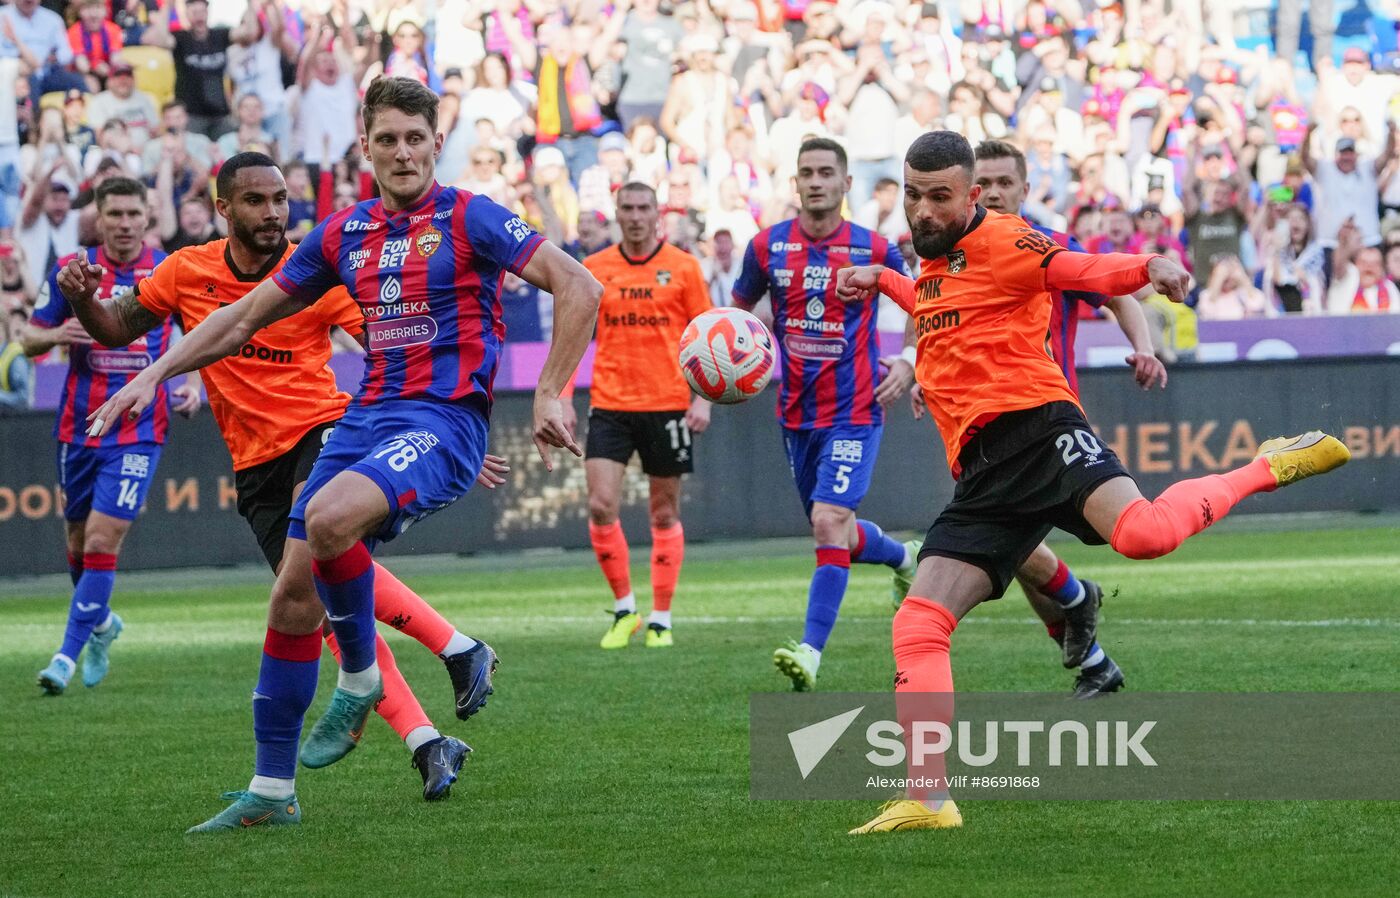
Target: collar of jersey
(261,274)
(651,255)
(797,225)
(392,217)
(107,262)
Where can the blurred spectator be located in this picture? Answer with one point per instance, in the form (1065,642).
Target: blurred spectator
(329,104)
(248,134)
(1349,193)
(1230,295)
(256,68)
(123,102)
(731,212)
(1355,86)
(17,285)
(1152,234)
(498,98)
(16,369)
(1216,212)
(175,124)
(191,225)
(693,117)
(38,37)
(721,268)
(652,38)
(567,112)
(1359,284)
(873,95)
(884,212)
(201,58)
(80,137)
(598,183)
(114,143)
(594,235)
(301,201)
(1293,264)
(94,41)
(971,116)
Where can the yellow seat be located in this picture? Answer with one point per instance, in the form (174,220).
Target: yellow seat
(154,71)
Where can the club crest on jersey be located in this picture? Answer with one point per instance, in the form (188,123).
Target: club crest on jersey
(663,277)
(390,290)
(816,308)
(428,242)
(957,261)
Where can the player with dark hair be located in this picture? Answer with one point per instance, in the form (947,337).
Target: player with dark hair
(640,403)
(831,395)
(1066,604)
(1024,456)
(276,403)
(424,263)
(105,477)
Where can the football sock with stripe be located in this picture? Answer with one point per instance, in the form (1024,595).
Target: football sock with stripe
(399,707)
(610,547)
(404,610)
(346,586)
(667,554)
(923,685)
(1063,587)
(873,546)
(825,594)
(1152,529)
(91,598)
(286,686)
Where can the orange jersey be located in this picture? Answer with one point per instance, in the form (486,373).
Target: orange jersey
(266,396)
(646,305)
(982,318)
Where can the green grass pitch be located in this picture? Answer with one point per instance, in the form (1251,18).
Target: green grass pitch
(626,773)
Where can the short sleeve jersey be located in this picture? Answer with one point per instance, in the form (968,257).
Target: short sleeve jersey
(428,280)
(96,373)
(1064,312)
(645,308)
(277,386)
(831,350)
(982,317)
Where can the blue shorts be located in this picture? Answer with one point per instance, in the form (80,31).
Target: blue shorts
(833,465)
(423,455)
(109,479)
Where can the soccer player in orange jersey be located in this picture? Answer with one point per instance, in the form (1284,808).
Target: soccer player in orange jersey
(1024,456)
(640,403)
(276,403)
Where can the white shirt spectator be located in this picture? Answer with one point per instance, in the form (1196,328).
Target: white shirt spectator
(720,279)
(45,243)
(43,33)
(504,107)
(874,113)
(257,70)
(456,46)
(328,113)
(137,111)
(1347,195)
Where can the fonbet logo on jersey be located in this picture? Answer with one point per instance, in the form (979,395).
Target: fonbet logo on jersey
(518,229)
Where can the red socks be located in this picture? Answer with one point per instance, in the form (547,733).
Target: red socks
(923,685)
(667,553)
(610,545)
(404,610)
(399,707)
(1152,529)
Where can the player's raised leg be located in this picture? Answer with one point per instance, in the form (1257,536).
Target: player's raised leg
(1069,608)
(1138,528)
(831,529)
(871,545)
(667,555)
(605,477)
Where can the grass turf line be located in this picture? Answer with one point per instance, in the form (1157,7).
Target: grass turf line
(626,772)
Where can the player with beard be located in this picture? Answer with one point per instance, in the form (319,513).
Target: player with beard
(276,404)
(1018,443)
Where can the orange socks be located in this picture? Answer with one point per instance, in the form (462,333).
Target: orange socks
(667,553)
(923,684)
(1152,529)
(399,707)
(610,545)
(401,608)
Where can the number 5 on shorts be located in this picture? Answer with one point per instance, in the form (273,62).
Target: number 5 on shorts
(843,480)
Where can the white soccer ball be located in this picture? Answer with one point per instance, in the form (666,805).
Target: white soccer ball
(727,355)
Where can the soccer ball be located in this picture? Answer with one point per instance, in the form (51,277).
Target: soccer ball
(727,355)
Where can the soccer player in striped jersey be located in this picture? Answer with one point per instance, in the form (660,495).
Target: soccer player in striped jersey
(831,395)
(425,263)
(1066,604)
(640,403)
(104,478)
(276,403)
(1017,441)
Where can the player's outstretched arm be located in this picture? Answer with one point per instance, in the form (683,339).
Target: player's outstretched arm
(576,297)
(218,336)
(117,322)
(1116,274)
(862,282)
(1147,368)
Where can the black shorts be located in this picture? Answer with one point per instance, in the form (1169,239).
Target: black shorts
(1025,473)
(265,491)
(661,438)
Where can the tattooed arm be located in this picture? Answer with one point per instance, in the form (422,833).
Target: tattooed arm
(114,323)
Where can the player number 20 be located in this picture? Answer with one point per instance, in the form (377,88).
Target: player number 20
(1086,441)
(400,453)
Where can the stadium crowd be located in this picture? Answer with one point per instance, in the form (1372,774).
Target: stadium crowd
(1196,130)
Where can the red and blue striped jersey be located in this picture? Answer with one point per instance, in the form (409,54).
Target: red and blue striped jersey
(1064,312)
(831,352)
(428,280)
(96,373)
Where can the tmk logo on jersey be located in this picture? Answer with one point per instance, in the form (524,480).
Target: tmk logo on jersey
(353,226)
(785,247)
(634,292)
(390,290)
(663,277)
(816,308)
(937,321)
(428,242)
(957,261)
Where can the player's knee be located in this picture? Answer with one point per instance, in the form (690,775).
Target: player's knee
(294,604)
(1141,534)
(103,540)
(832,526)
(329,529)
(601,510)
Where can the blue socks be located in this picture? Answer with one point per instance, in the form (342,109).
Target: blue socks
(825,594)
(286,686)
(1064,587)
(874,547)
(346,587)
(91,598)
